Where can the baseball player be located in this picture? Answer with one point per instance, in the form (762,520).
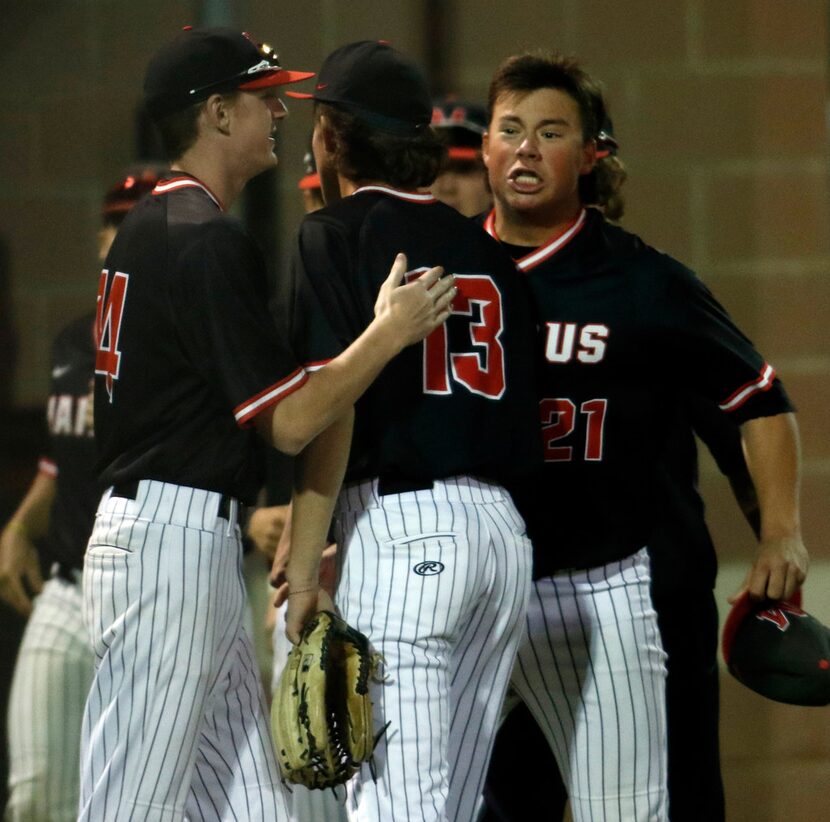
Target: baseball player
(624,332)
(462,182)
(683,568)
(433,556)
(189,369)
(54,664)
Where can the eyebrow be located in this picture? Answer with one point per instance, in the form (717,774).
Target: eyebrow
(553,121)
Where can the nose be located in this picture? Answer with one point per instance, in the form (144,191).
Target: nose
(277,108)
(528,147)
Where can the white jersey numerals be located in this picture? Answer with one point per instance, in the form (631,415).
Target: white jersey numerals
(559,421)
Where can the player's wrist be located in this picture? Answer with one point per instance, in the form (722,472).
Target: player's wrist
(384,335)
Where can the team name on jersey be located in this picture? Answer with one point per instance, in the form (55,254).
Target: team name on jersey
(566,340)
(68,415)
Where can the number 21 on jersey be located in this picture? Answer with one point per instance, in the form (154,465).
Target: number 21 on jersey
(109,313)
(559,421)
(480,370)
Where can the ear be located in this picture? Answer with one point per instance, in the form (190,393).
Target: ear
(589,157)
(217,112)
(485,148)
(327,134)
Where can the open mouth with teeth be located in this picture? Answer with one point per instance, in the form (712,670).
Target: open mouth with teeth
(524,180)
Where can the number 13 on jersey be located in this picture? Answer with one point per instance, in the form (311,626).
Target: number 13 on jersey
(481,369)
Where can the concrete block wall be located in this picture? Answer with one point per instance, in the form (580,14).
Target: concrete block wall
(721,110)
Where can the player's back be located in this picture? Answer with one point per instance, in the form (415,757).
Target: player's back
(461,402)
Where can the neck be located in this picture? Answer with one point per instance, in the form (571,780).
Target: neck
(532,230)
(213,172)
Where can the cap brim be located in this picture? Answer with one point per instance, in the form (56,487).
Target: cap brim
(309,181)
(463,153)
(299,95)
(277,78)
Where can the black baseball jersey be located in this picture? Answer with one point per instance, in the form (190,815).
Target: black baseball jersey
(188,353)
(626,333)
(460,403)
(70,456)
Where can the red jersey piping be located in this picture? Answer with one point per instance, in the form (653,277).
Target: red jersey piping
(761,383)
(544,251)
(175,183)
(411,196)
(245,412)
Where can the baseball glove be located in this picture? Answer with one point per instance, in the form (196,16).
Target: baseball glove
(321,716)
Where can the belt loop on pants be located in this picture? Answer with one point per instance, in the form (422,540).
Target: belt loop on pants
(129,490)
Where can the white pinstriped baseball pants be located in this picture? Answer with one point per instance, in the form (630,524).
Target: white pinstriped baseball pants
(438,580)
(176,720)
(592,670)
(51,679)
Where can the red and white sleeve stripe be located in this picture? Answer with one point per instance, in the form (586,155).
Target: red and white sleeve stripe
(739,397)
(245,412)
(47,466)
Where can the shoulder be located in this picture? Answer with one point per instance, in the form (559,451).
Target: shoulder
(644,261)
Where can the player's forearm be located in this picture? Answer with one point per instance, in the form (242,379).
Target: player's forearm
(319,475)
(32,515)
(773,456)
(331,391)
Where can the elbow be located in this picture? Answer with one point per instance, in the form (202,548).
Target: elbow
(291,433)
(290,442)
(287,432)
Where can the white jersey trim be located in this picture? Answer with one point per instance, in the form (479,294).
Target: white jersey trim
(185,182)
(410,196)
(47,466)
(545,251)
(243,413)
(739,397)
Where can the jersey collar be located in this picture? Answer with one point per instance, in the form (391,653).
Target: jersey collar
(544,251)
(410,196)
(179,182)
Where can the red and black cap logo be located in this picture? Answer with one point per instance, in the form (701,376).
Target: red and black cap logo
(205,61)
(379,85)
(779,651)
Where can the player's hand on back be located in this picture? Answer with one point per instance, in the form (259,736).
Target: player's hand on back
(412,311)
(779,569)
(18,562)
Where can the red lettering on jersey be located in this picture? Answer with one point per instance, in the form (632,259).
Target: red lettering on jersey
(558,416)
(778,615)
(481,371)
(594,436)
(110,311)
(558,420)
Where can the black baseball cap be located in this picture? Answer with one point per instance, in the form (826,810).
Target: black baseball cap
(125,193)
(379,85)
(205,61)
(779,651)
(462,125)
